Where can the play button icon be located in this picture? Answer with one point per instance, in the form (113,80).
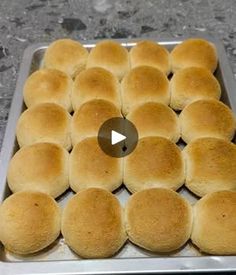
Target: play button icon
(117,137)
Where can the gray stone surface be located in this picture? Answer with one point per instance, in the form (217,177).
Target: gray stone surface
(24,22)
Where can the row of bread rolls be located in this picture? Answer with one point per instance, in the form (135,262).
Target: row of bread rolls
(140,85)
(205,165)
(49,122)
(71,57)
(94,225)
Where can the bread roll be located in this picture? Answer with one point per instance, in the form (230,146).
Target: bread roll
(191,84)
(194,52)
(48,86)
(155,162)
(214,227)
(152,54)
(45,122)
(95,83)
(158,219)
(91,167)
(155,119)
(89,118)
(207,118)
(111,56)
(210,165)
(30,221)
(66,55)
(144,84)
(93,225)
(39,167)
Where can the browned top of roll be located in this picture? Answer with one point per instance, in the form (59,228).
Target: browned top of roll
(109,55)
(194,52)
(150,53)
(66,55)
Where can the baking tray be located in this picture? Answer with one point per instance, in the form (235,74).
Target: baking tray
(58,258)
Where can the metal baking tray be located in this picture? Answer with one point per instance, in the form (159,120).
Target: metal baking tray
(58,258)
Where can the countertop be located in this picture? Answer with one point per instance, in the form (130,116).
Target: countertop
(24,22)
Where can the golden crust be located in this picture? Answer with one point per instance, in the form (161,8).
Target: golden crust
(93,225)
(89,118)
(45,122)
(214,227)
(207,118)
(158,219)
(191,84)
(144,84)
(194,52)
(30,221)
(91,167)
(95,83)
(40,167)
(155,162)
(150,53)
(111,56)
(155,119)
(210,165)
(66,55)
(48,86)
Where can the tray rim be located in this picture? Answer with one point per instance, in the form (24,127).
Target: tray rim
(112,265)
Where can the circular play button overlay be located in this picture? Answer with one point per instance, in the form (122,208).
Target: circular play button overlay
(117,137)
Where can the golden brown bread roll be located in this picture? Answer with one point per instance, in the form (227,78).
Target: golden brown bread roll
(111,56)
(48,86)
(91,167)
(30,221)
(93,224)
(155,119)
(39,167)
(194,52)
(95,83)
(150,53)
(207,118)
(210,165)
(191,84)
(214,226)
(158,219)
(89,118)
(66,55)
(155,162)
(144,84)
(45,122)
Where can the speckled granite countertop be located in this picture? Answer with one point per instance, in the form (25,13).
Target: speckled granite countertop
(24,22)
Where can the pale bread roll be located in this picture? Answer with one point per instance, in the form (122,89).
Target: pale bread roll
(30,221)
(152,54)
(93,224)
(210,165)
(95,83)
(191,84)
(111,56)
(158,219)
(207,118)
(214,226)
(45,122)
(66,55)
(88,119)
(155,162)
(39,167)
(48,86)
(91,167)
(194,52)
(144,84)
(155,119)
